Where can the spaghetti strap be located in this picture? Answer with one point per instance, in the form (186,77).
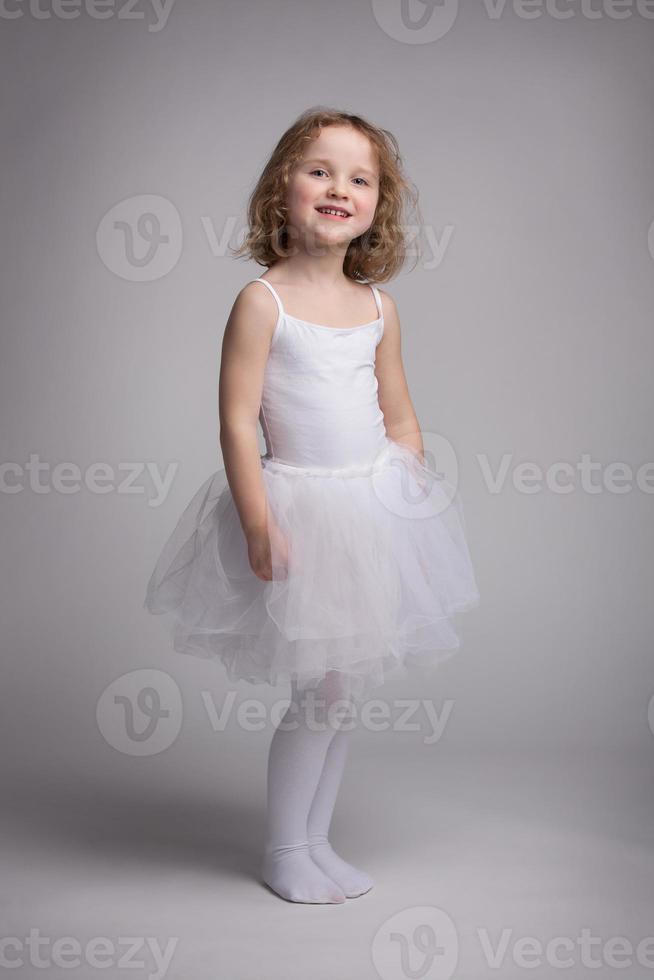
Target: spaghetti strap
(378,302)
(274,292)
(280,305)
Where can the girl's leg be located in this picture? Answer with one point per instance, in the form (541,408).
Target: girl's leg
(353,881)
(295,762)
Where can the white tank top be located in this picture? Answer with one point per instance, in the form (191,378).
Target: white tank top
(319,404)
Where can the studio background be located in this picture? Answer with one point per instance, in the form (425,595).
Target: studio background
(527,338)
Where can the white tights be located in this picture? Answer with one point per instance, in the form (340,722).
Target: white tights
(305,766)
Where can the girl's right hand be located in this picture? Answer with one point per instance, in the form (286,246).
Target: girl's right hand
(261,545)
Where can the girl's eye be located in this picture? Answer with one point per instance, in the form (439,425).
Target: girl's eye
(319,170)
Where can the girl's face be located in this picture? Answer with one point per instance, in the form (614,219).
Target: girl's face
(339,171)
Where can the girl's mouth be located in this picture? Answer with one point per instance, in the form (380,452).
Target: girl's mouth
(340,215)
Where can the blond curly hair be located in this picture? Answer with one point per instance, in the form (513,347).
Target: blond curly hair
(377,255)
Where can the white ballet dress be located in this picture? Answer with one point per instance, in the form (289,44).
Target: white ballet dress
(375,563)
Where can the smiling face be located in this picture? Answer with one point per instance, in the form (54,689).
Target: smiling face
(339,171)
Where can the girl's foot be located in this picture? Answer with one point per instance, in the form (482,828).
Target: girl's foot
(353,881)
(292,874)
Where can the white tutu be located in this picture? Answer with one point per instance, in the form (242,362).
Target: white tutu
(373,561)
(377,565)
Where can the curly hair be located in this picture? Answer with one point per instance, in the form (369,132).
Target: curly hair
(377,255)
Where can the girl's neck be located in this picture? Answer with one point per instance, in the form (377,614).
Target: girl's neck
(321,272)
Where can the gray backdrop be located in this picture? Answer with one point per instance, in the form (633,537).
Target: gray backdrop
(130,146)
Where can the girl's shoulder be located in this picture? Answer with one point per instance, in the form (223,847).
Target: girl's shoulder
(387,301)
(254,310)
(254,297)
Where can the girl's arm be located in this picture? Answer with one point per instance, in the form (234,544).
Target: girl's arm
(245,347)
(395,402)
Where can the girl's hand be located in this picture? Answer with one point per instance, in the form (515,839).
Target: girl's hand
(262,544)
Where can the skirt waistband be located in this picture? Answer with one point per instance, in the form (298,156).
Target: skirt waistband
(279,465)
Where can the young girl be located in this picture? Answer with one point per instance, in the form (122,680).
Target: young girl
(337,557)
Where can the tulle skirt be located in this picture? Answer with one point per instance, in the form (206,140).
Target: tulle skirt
(370,569)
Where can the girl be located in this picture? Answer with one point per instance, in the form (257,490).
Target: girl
(336,558)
